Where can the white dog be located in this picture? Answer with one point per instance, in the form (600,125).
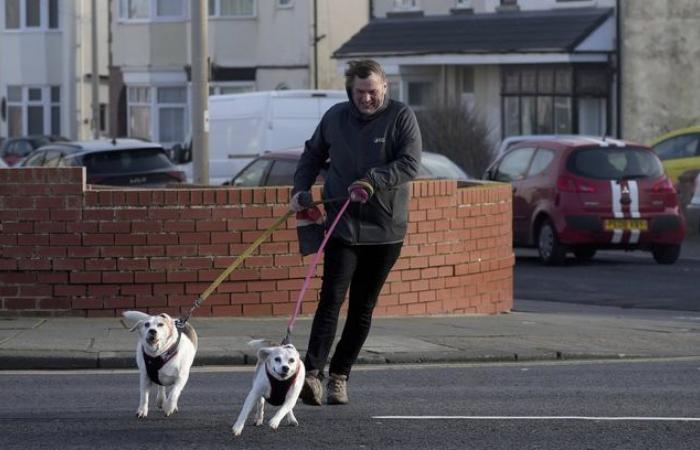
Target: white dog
(164,356)
(279,377)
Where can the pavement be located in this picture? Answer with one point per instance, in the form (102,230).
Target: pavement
(533,331)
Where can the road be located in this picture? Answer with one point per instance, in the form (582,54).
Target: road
(612,278)
(572,405)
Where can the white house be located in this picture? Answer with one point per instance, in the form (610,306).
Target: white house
(46,67)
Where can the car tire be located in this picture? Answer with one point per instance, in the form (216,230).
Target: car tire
(585,253)
(552,252)
(666,253)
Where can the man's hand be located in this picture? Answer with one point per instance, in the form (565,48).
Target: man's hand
(360,191)
(301,200)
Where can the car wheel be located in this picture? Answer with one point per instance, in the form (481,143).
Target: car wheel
(585,253)
(552,252)
(666,253)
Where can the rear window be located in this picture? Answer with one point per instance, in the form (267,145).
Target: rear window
(615,163)
(126,161)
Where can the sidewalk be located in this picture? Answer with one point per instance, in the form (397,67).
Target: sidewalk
(533,331)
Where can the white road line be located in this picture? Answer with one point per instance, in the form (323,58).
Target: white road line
(590,418)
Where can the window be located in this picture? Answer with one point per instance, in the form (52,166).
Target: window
(466,4)
(541,161)
(146,10)
(683,146)
(139,111)
(232,8)
(419,94)
(31,15)
(33,110)
(282,173)
(542,100)
(285,3)
(172,104)
(230,88)
(403,5)
(253,174)
(157,113)
(514,165)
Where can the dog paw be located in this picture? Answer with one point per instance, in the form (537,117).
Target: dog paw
(258,421)
(292,423)
(274,423)
(142,413)
(170,411)
(237,429)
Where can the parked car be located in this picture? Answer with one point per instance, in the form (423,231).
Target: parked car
(510,141)
(13,150)
(581,194)
(2,164)
(120,162)
(692,212)
(679,152)
(277,169)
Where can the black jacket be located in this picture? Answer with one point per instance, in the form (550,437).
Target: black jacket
(384,148)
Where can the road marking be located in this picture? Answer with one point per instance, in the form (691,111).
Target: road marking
(588,418)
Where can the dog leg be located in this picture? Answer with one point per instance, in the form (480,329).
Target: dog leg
(260,412)
(248,405)
(160,397)
(283,411)
(144,388)
(291,420)
(173,396)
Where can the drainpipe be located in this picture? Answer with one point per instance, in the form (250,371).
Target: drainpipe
(315,44)
(618,68)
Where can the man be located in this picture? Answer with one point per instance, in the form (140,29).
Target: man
(374,145)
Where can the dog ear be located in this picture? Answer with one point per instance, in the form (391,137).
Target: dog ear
(166,316)
(136,325)
(263,353)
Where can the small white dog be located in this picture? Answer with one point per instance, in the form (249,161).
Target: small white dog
(164,356)
(279,377)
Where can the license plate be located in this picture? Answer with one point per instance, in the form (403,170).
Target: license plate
(625,224)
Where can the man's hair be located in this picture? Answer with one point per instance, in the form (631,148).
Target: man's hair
(362,68)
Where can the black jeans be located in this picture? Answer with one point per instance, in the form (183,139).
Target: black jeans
(364,269)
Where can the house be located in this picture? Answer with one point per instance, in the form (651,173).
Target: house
(545,66)
(253,45)
(46,67)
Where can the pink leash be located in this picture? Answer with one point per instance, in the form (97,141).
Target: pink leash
(311,272)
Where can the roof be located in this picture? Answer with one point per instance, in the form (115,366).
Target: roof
(558,30)
(580,141)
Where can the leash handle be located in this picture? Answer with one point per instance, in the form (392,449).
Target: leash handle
(312,270)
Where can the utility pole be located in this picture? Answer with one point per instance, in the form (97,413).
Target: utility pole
(95,78)
(200,91)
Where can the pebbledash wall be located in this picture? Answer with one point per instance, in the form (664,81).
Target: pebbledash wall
(67,248)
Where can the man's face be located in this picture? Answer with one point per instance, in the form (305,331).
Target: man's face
(368,93)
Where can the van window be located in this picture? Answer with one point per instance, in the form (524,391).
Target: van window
(614,164)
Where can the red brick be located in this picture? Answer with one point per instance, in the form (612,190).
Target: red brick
(257,310)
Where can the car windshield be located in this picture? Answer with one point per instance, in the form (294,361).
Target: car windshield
(126,161)
(615,163)
(440,166)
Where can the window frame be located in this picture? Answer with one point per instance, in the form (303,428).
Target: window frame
(216,14)
(45,7)
(46,102)
(154,107)
(152,16)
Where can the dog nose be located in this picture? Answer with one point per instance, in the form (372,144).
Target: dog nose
(285,369)
(151,332)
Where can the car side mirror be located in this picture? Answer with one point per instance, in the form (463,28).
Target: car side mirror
(181,154)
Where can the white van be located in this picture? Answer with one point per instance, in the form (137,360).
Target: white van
(243,126)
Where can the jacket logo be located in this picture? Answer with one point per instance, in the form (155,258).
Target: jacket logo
(379,140)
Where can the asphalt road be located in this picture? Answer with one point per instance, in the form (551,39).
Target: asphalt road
(508,406)
(613,278)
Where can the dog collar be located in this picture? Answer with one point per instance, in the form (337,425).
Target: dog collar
(279,388)
(155,363)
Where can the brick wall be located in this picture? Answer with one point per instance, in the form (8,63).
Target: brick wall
(68,248)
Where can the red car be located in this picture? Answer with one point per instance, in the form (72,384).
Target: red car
(580,194)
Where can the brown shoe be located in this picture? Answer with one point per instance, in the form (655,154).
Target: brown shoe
(337,389)
(312,391)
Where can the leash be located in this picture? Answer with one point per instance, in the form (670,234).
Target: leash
(311,272)
(246,253)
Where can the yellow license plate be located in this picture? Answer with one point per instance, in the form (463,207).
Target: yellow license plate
(625,224)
